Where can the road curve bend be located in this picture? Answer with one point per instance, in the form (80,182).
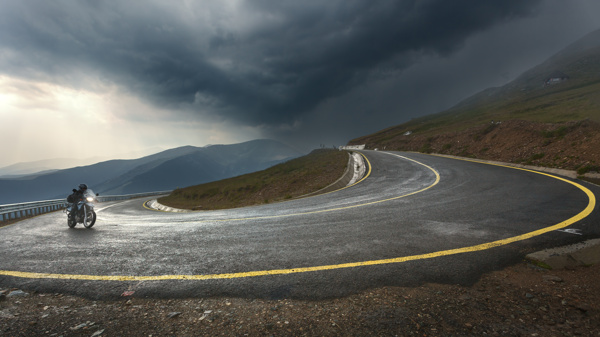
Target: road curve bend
(415,218)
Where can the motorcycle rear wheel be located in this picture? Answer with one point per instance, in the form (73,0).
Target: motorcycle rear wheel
(91,219)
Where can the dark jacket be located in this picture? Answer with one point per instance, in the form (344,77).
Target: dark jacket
(75,196)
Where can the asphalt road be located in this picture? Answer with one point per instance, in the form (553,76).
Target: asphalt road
(415,219)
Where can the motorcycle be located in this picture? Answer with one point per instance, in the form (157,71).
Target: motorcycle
(82,210)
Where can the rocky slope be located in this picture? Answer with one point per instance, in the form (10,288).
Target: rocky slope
(571,145)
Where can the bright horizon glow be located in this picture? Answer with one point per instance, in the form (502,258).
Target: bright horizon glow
(47,121)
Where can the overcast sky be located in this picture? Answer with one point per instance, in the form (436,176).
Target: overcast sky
(103,78)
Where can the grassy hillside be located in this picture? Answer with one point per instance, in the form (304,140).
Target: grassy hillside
(517,122)
(281,182)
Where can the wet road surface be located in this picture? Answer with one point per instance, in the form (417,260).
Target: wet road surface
(414,219)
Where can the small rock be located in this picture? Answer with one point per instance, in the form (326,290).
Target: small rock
(552,278)
(17,293)
(174,314)
(98,333)
(528,295)
(80,326)
(581,306)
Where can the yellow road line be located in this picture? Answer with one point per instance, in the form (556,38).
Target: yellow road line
(586,212)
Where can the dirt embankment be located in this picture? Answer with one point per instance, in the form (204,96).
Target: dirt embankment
(522,300)
(571,146)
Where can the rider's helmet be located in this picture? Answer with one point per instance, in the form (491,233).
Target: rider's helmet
(83,187)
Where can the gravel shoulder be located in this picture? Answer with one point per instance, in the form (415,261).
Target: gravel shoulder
(520,300)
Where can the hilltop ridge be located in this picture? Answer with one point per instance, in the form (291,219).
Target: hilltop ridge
(548,116)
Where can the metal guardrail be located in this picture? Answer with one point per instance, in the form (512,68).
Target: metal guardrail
(14,211)
(352,147)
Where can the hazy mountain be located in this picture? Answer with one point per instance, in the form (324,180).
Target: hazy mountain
(48,165)
(45,166)
(179,167)
(577,65)
(197,165)
(182,171)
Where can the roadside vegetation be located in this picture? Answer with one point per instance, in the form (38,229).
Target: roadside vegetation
(281,182)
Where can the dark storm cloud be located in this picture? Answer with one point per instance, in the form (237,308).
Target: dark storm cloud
(266,63)
(317,52)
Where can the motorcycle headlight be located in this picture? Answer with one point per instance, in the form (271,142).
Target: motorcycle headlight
(90,199)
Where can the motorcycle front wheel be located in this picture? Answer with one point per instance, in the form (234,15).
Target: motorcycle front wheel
(71,221)
(91,219)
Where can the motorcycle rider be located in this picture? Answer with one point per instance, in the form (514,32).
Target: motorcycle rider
(75,197)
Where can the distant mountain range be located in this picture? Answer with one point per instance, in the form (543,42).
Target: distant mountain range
(49,165)
(170,169)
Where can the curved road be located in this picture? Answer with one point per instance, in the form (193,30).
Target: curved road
(416,218)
